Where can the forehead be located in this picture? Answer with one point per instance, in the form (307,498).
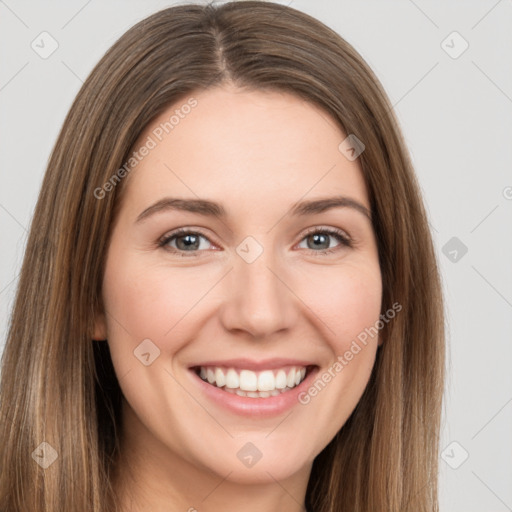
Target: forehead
(251,147)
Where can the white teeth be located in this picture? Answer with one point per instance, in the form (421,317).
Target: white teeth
(220,380)
(255,394)
(266,381)
(254,384)
(248,381)
(232,380)
(290,381)
(281,379)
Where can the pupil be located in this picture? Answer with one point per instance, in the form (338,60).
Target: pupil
(188,244)
(317,238)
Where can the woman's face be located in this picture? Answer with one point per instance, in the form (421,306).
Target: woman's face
(246,294)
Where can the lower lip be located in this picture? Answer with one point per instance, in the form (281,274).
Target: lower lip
(247,406)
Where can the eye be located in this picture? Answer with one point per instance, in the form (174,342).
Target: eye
(185,241)
(318,238)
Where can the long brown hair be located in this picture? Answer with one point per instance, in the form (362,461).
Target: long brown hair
(59,387)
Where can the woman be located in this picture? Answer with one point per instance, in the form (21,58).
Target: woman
(181,338)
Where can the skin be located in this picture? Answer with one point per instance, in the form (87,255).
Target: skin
(256,153)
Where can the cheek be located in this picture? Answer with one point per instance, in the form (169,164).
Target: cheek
(347,300)
(147,300)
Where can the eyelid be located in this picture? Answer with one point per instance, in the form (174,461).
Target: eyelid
(162,241)
(326,229)
(344,239)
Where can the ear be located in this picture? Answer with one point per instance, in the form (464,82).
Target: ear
(100,327)
(380,341)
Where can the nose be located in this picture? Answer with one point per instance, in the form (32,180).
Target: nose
(258,298)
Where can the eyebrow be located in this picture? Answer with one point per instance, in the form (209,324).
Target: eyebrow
(216,210)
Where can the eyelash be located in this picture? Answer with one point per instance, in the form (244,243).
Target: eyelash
(344,240)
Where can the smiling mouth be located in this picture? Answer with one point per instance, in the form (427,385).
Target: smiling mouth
(262,384)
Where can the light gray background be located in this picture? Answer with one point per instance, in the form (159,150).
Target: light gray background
(456,115)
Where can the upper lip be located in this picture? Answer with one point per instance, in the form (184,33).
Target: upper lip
(250,364)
